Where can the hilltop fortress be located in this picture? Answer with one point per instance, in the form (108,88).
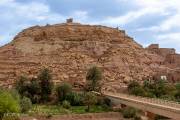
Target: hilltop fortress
(69,49)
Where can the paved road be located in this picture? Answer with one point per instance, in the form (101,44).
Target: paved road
(158,106)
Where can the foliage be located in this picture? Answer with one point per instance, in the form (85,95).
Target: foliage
(57,110)
(155,89)
(74,98)
(159,88)
(89,100)
(30,89)
(15,94)
(11,117)
(129,112)
(46,84)
(132,85)
(135,88)
(66,104)
(62,90)
(22,85)
(7,103)
(137,117)
(25,104)
(177,94)
(94,75)
(34,91)
(104,101)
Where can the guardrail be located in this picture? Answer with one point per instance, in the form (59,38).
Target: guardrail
(145,99)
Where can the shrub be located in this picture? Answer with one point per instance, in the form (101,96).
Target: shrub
(74,98)
(46,84)
(25,104)
(94,75)
(66,104)
(8,103)
(133,84)
(89,100)
(11,117)
(63,90)
(15,95)
(107,101)
(129,112)
(139,91)
(137,117)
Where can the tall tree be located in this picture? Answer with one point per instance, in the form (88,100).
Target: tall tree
(46,84)
(94,75)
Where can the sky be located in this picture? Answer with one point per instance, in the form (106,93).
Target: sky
(147,21)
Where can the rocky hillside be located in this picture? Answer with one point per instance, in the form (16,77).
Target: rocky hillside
(69,49)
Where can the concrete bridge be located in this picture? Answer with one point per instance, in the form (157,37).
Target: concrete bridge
(150,106)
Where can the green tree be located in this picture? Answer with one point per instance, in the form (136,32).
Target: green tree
(94,75)
(46,84)
(62,90)
(8,104)
(22,85)
(159,88)
(34,90)
(177,94)
(90,99)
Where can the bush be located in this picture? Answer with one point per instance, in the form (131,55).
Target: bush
(8,103)
(74,98)
(66,104)
(107,102)
(63,90)
(132,85)
(137,117)
(129,112)
(15,94)
(89,100)
(11,117)
(25,104)
(139,91)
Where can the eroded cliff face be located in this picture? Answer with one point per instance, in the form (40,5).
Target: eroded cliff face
(68,50)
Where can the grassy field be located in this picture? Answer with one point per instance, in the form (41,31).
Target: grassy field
(59,110)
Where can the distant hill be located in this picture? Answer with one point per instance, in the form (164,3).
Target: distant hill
(69,49)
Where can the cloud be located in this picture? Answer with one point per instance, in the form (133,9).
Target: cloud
(169,38)
(16,16)
(147,20)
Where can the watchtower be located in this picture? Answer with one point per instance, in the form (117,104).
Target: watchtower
(70,20)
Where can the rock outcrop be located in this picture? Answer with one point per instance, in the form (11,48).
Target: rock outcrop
(69,49)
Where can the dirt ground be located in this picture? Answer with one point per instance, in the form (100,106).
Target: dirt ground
(91,116)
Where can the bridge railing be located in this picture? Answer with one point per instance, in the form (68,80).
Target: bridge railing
(145,99)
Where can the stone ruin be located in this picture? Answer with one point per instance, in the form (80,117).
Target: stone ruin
(170,59)
(70,20)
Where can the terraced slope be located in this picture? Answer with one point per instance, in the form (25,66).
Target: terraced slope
(69,49)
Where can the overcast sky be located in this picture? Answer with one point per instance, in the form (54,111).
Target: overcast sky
(148,21)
